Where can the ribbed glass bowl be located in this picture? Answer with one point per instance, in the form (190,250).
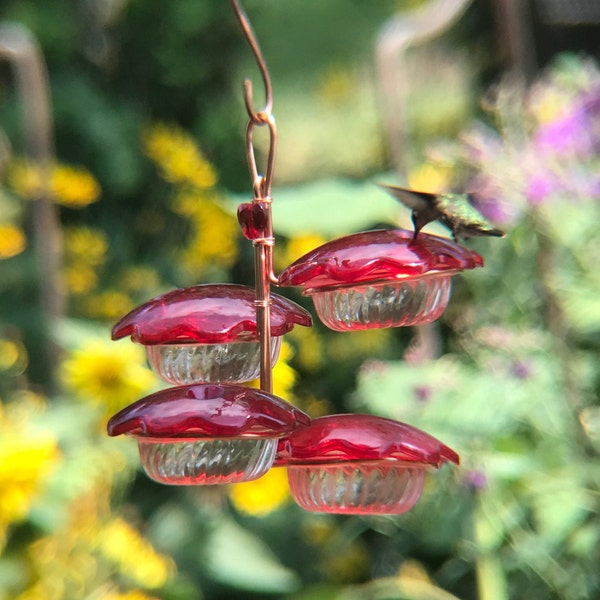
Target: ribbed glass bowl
(233,362)
(206,462)
(356,488)
(389,304)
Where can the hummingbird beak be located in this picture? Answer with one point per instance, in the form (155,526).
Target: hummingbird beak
(416,225)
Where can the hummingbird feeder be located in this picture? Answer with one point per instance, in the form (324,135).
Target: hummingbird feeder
(207,333)
(383,278)
(359,464)
(208,339)
(207,433)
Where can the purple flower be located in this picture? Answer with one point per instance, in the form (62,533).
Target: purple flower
(422,393)
(584,184)
(575,133)
(481,144)
(521,369)
(373,366)
(575,182)
(489,200)
(475,480)
(540,187)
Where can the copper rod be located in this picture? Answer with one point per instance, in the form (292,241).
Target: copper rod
(263,316)
(263,248)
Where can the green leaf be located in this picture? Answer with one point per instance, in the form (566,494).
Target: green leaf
(475,404)
(331,207)
(580,302)
(395,588)
(560,504)
(462,399)
(10,207)
(491,578)
(590,421)
(77,333)
(319,592)
(13,574)
(238,558)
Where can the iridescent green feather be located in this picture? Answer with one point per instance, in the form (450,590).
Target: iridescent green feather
(463,216)
(453,210)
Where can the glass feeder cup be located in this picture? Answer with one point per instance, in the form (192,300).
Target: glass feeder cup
(381,278)
(207,433)
(359,464)
(207,333)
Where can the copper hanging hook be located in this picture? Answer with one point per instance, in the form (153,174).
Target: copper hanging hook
(257,117)
(262,185)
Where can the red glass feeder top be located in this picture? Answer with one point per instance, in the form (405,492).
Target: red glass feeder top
(208,411)
(378,255)
(206,314)
(355,437)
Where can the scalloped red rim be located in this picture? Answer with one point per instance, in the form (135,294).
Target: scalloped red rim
(376,256)
(206,314)
(208,411)
(361,438)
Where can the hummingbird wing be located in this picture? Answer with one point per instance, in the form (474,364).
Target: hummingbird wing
(419,201)
(423,204)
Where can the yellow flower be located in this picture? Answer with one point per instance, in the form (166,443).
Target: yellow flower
(360,343)
(79,554)
(25,406)
(74,187)
(191,204)
(134,556)
(341,560)
(547,104)
(132,595)
(70,186)
(296,247)
(12,241)
(38,591)
(110,374)
(336,86)
(80,279)
(85,250)
(347,565)
(13,356)
(309,352)
(178,157)
(318,532)
(26,179)
(109,305)
(284,377)
(430,178)
(215,233)
(25,461)
(27,457)
(262,496)
(413,570)
(316,407)
(85,245)
(136,279)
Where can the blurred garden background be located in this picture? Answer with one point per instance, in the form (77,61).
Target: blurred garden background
(146,168)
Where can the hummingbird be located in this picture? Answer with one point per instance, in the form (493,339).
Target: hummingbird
(455,211)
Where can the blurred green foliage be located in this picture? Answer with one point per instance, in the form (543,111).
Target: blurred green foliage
(145,98)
